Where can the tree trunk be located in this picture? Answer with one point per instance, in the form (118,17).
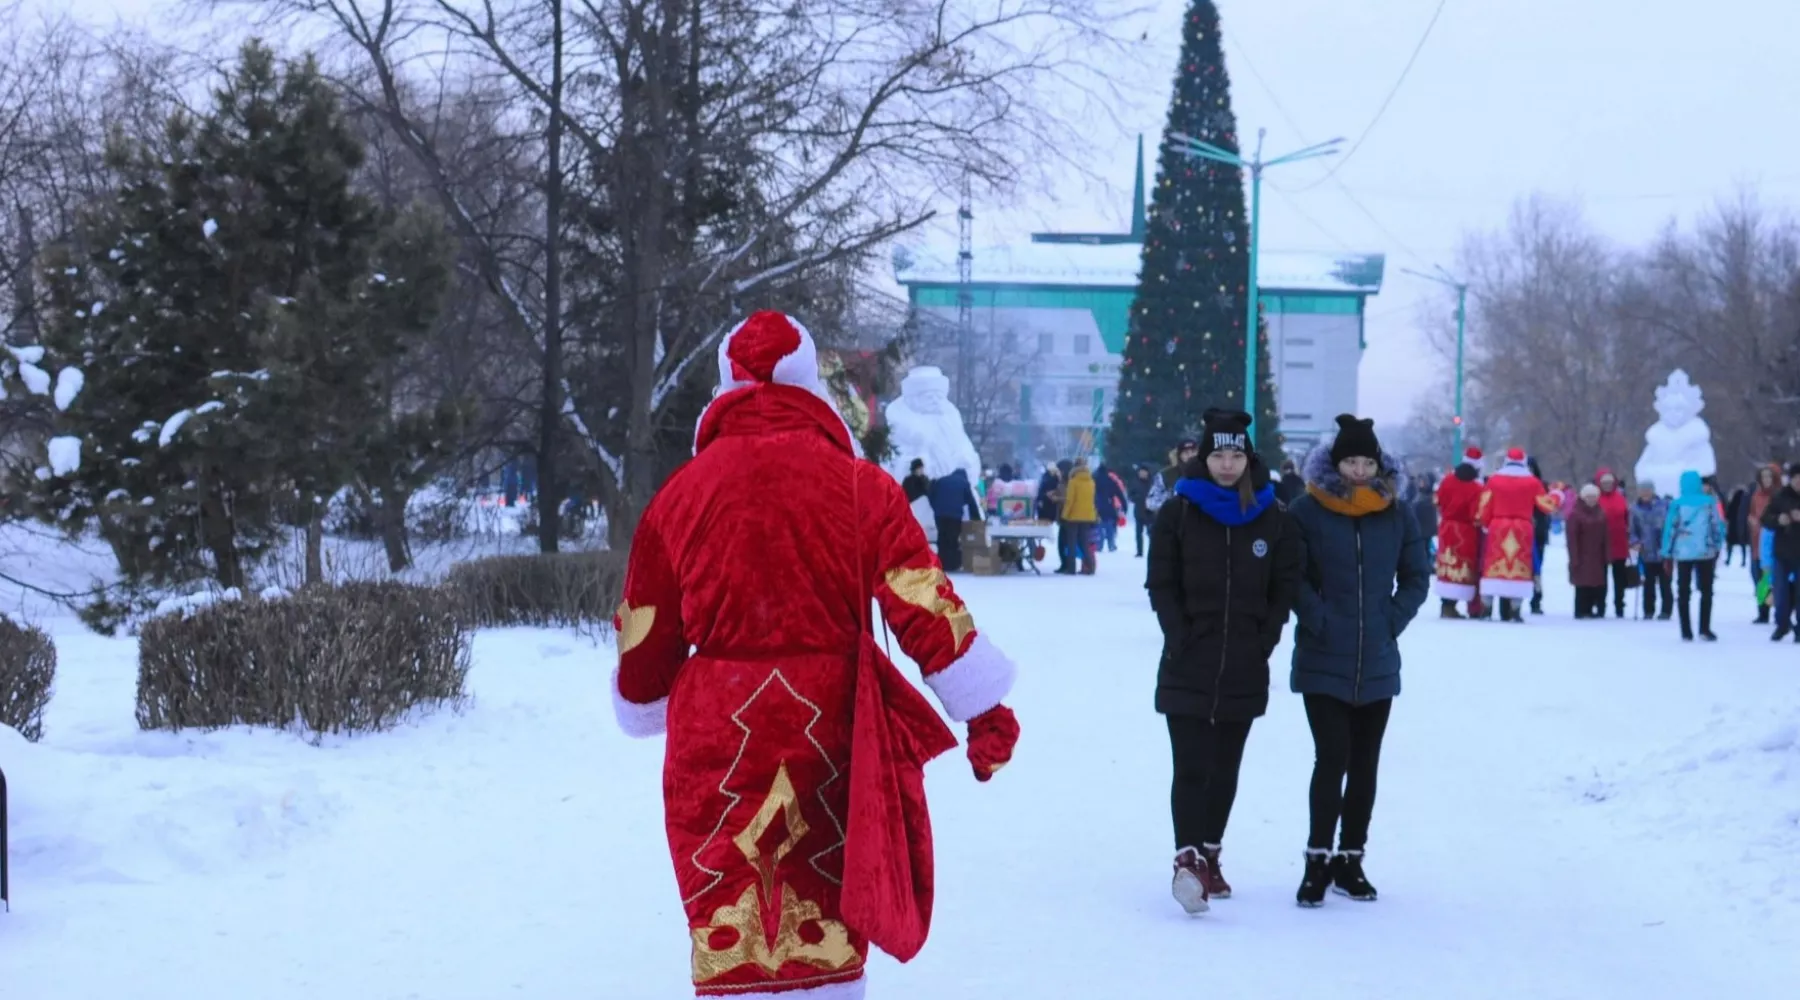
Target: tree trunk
(393,531)
(550,417)
(315,549)
(25,281)
(221,541)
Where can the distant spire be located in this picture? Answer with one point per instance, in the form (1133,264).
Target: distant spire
(1138,224)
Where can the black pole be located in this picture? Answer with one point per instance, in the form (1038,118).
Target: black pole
(5,895)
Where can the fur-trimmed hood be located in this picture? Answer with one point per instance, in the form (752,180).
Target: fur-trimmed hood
(1321,471)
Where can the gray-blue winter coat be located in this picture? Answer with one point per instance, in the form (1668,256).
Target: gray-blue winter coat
(1365,580)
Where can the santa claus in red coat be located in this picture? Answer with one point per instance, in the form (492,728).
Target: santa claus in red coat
(1459,538)
(1512,496)
(793,779)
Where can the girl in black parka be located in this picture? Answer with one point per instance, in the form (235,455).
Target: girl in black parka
(1225,565)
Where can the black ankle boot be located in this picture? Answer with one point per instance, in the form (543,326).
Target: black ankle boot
(1316,880)
(1347,878)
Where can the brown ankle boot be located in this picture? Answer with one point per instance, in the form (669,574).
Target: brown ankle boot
(1190,881)
(1216,886)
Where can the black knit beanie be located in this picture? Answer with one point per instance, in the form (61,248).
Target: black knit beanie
(1355,439)
(1224,430)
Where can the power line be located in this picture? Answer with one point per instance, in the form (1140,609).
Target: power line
(1388,100)
(1280,108)
(1294,207)
(1268,90)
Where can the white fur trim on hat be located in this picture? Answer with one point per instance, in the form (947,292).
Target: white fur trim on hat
(974,682)
(799,368)
(639,720)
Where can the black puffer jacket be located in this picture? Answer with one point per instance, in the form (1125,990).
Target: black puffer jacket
(1222,581)
(1366,577)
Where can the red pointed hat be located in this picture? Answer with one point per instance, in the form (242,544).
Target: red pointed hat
(768,347)
(1515,454)
(1471,454)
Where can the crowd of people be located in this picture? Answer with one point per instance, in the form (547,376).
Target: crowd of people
(1351,548)
(1668,548)
(1088,504)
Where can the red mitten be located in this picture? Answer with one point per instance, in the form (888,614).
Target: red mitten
(992,736)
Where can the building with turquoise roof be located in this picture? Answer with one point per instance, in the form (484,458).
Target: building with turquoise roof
(1064,300)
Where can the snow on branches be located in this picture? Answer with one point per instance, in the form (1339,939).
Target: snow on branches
(24,364)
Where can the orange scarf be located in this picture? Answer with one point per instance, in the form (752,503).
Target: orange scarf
(1363,500)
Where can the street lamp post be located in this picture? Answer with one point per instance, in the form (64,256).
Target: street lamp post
(1187,145)
(1462,316)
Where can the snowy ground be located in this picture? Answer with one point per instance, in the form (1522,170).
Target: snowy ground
(1567,810)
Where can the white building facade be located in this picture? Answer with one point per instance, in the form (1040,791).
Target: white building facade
(1062,305)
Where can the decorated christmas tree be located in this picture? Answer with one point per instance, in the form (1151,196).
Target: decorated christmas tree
(1185,348)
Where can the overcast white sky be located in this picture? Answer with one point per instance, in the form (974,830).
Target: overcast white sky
(1642,109)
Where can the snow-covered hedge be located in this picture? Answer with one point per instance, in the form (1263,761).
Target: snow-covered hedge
(356,658)
(27,672)
(558,590)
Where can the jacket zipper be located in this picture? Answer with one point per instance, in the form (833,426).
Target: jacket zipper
(1361,616)
(1225,631)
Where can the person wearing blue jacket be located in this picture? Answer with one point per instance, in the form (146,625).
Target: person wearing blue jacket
(1649,516)
(1366,572)
(952,497)
(1692,538)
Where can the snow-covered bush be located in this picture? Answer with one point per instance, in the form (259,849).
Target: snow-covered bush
(27,672)
(554,590)
(356,658)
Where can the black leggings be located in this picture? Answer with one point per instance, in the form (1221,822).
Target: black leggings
(1207,758)
(1696,574)
(1346,757)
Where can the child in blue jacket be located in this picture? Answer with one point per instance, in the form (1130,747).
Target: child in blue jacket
(1692,538)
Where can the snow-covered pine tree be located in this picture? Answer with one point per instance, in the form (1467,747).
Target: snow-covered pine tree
(1184,350)
(233,328)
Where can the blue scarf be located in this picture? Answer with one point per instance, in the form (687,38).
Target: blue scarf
(1221,504)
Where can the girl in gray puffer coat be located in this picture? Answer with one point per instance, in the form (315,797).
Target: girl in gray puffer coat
(1367,571)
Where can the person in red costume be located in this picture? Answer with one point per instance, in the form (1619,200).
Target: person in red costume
(1459,538)
(793,786)
(1512,496)
(1618,533)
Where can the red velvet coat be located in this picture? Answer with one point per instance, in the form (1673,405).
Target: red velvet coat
(1458,568)
(1512,496)
(792,784)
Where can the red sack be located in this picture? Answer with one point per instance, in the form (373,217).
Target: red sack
(888,885)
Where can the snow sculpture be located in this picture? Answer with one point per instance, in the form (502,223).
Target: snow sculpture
(923,423)
(1678,442)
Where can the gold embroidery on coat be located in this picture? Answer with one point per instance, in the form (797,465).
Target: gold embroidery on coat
(1510,565)
(920,588)
(781,801)
(744,926)
(634,626)
(1451,569)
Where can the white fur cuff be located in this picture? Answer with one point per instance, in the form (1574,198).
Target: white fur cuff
(975,681)
(852,990)
(638,720)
